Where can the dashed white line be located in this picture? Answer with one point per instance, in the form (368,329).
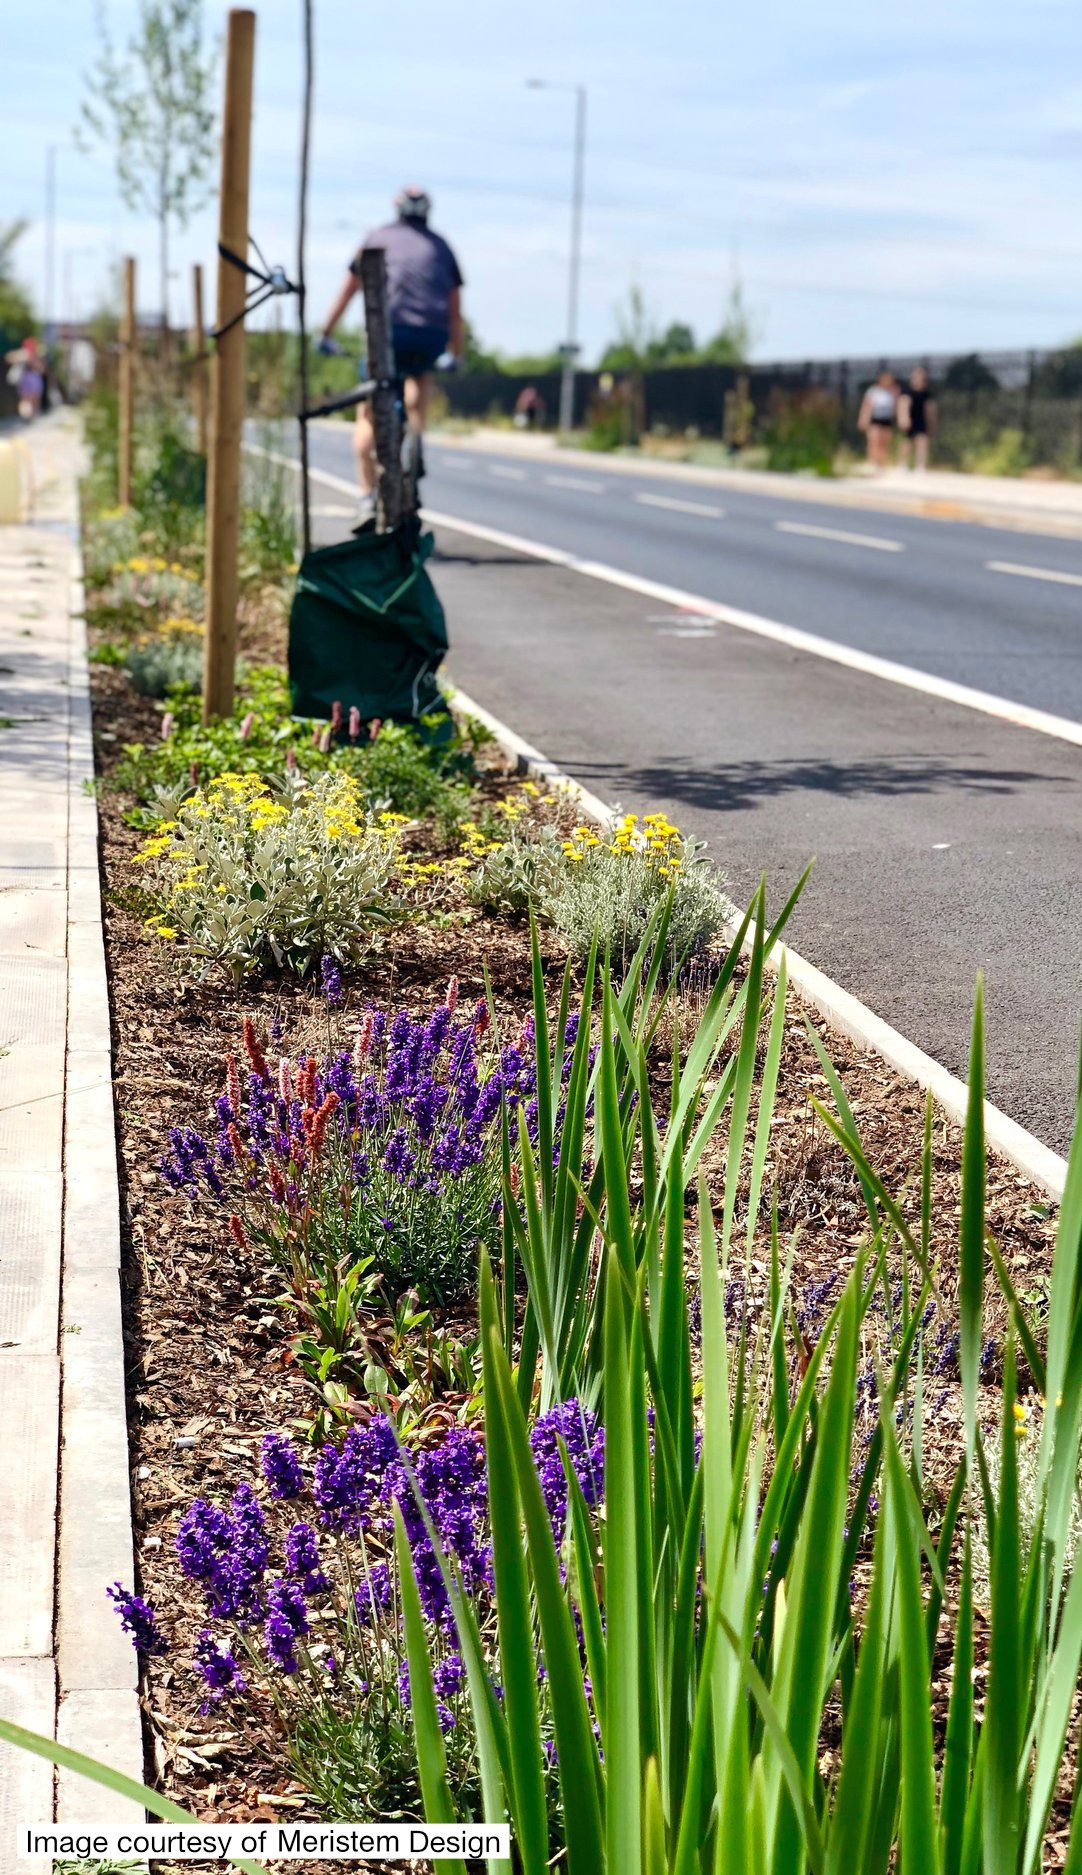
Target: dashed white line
(837,533)
(681,507)
(1034,572)
(507,475)
(576,481)
(457,462)
(1023,715)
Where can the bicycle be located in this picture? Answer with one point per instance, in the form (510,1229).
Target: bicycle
(399,454)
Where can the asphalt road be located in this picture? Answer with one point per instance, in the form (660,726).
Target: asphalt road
(945,839)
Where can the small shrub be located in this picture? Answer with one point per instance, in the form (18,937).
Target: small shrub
(248,878)
(111,539)
(612,887)
(803,431)
(395,768)
(173,661)
(1006,454)
(387,1157)
(304,1606)
(516,875)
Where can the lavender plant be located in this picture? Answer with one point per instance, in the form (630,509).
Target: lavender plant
(385,1158)
(302,1594)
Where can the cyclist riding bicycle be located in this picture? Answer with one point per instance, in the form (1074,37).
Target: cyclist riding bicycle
(424,285)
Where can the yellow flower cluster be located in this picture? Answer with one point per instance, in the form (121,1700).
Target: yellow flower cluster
(183,627)
(655,841)
(140,563)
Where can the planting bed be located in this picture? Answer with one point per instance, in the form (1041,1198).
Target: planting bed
(214,1360)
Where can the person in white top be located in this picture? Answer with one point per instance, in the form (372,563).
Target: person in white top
(878,414)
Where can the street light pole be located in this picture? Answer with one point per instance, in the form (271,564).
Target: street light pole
(567,383)
(571,348)
(48,311)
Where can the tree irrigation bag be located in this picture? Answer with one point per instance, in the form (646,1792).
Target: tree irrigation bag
(367,628)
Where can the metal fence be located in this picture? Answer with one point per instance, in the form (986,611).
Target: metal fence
(1027,405)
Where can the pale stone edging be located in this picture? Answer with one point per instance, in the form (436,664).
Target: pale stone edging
(98,1694)
(838,1007)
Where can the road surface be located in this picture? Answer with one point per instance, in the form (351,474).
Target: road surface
(946,839)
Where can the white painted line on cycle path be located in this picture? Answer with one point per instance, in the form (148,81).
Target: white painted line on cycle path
(681,507)
(507,475)
(578,482)
(1033,572)
(1022,715)
(837,533)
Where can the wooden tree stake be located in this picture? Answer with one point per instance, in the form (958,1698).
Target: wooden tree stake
(227,374)
(126,387)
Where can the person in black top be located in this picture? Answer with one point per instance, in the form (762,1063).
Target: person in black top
(918,419)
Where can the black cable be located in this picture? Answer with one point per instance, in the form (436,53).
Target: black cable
(302,228)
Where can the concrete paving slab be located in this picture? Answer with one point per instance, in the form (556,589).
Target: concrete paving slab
(28,1692)
(95,1525)
(31,1218)
(31,1105)
(88,1001)
(90,1122)
(29,1414)
(31,920)
(107,1727)
(40,864)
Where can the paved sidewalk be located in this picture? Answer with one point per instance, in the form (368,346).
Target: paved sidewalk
(944,494)
(65,1519)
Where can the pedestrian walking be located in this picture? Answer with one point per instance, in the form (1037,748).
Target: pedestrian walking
(878,415)
(917,419)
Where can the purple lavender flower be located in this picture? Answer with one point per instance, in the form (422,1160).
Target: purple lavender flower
(375,1595)
(138,1619)
(348,1479)
(219,1669)
(280,1466)
(286,1624)
(584,1437)
(331,977)
(302,1557)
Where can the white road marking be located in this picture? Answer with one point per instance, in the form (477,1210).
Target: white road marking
(681,507)
(1033,572)
(576,481)
(457,462)
(507,475)
(333,508)
(686,631)
(837,533)
(1022,715)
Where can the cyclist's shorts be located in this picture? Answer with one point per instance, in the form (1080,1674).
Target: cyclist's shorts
(416,348)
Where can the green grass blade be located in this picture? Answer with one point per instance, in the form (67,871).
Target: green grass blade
(431,1757)
(70,1760)
(514,1617)
(918,1833)
(958,1744)
(1005,1716)
(768,1088)
(622,1536)
(971,1226)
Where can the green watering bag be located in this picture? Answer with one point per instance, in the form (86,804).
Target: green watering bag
(367,629)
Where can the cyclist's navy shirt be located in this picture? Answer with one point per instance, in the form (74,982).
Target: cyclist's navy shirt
(422,273)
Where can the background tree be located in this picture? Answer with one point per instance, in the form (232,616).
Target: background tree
(635,334)
(740,332)
(16,313)
(150,106)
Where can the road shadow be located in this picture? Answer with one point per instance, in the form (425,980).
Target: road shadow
(728,787)
(439,558)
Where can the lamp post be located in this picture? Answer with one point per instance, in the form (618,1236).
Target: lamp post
(571,348)
(48,314)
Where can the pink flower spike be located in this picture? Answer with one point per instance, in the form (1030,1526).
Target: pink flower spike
(291,761)
(336,716)
(247,726)
(354,722)
(374,728)
(451,999)
(193,774)
(167,725)
(232,1084)
(285,1078)
(364,1040)
(325,740)
(315,735)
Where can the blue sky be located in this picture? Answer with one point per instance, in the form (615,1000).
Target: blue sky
(883,178)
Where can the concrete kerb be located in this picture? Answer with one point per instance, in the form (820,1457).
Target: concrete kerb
(98,1710)
(835,1005)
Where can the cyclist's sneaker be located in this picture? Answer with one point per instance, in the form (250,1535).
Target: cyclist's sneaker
(366,513)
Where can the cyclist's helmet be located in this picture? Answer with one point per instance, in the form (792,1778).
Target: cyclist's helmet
(413,204)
